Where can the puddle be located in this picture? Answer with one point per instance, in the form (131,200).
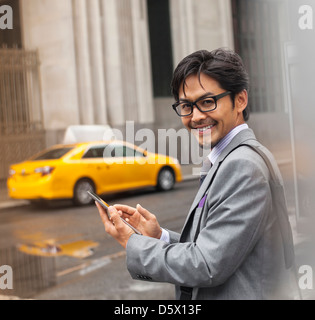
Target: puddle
(35,264)
(49,248)
(41,244)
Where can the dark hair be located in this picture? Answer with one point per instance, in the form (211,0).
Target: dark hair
(223,65)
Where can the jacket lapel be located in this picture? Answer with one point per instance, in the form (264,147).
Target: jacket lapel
(240,138)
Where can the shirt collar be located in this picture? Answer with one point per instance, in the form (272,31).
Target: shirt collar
(216,151)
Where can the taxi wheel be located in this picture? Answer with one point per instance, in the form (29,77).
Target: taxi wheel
(166,179)
(80,195)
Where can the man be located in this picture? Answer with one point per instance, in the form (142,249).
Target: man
(233,245)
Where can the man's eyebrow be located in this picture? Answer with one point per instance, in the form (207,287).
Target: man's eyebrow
(201,97)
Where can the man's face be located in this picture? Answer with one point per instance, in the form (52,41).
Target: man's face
(210,127)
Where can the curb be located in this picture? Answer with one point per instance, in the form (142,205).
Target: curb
(13,204)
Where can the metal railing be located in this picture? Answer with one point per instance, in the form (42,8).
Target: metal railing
(20,101)
(30,274)
(21,125)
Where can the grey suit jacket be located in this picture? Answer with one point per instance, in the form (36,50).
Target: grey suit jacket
(230,246)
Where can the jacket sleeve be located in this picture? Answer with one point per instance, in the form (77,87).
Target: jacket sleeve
(174,236)
(237,205)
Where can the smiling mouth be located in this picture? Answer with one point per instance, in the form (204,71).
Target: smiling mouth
(203,130)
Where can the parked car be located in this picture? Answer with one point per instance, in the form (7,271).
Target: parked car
(69,171)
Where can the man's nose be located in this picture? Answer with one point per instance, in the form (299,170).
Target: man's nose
(197,115)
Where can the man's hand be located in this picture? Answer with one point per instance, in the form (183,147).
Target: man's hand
(141,219)
(115,226)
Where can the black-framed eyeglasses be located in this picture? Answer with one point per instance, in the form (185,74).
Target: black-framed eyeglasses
(203,104)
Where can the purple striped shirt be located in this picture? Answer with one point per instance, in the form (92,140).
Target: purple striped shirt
(216,151)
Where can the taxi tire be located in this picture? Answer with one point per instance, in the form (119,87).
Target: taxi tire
(166,179)
(80,197)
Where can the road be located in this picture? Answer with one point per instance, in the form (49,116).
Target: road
(62,252)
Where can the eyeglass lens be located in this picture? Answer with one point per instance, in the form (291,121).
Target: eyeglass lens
(204,105)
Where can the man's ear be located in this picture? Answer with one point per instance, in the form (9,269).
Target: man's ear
(241,101)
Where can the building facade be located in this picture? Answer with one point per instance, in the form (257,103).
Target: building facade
(87,62)
(83,62)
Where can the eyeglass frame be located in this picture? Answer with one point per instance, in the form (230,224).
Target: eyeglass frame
(192,104)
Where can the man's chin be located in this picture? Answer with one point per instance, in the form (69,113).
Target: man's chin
(203,141)
(204,144)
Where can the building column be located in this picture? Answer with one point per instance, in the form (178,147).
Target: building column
(126,36)
(202,24)
(84,80)
(127,61)
(183,29)
(142,61)
(48,29)
(227,24)
(96,61)
(112,63)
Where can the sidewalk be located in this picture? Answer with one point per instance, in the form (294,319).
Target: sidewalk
(190,172)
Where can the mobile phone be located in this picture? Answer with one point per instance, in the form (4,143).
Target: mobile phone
(105,206)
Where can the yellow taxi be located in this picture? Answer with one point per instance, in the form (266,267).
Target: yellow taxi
(69,171)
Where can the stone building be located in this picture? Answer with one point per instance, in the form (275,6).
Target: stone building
(86,62)
(76,62)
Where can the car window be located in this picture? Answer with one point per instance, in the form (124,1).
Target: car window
(139,154)
(119,151)
(53,154)
(94,152)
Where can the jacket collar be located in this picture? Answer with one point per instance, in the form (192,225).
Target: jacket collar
(239,139)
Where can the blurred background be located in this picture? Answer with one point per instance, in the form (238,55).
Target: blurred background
(106,62)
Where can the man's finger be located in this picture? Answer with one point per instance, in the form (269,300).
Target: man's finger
(120,226)
(125,209)
(144,212)
(115,217)
(108,224)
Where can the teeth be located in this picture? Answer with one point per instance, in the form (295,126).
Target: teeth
(205,128)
